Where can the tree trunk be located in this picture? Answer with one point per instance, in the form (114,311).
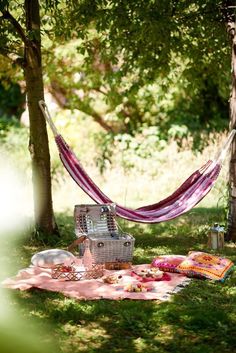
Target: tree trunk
(231,230)
(38,141)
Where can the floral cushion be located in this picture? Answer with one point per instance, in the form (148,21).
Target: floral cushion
(204,265)
(168,263)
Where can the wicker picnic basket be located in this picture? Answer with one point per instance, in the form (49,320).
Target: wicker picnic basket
(107,243)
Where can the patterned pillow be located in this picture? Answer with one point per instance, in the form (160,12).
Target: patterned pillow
(168,263)
(204,265)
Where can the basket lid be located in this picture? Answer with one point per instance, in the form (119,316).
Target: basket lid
(95,219)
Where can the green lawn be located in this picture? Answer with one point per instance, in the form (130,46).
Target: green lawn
(200,318)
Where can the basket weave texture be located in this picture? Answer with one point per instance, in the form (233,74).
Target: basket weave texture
(107,243)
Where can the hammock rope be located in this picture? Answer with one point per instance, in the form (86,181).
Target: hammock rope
(187,195)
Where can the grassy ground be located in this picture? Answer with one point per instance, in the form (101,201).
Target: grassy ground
(200,318)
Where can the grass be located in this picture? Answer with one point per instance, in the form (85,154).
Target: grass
(200,318)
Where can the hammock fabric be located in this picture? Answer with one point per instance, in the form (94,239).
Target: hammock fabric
(190,193)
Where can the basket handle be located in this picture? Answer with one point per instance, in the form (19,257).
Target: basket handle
(76,242)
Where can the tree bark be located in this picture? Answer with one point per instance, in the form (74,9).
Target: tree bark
(38,140)
(231,29)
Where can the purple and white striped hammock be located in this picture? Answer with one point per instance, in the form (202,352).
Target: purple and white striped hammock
(189,194)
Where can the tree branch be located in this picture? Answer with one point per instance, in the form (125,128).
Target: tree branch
(13,57)
(59,94)
(8,16)
(100,91)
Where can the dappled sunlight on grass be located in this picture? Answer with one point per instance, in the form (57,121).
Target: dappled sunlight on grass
(192,321)
(92,335)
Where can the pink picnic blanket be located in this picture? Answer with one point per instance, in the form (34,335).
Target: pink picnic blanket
(36,277)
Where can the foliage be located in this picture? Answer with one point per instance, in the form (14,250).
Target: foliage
(11,100)
(136,45)
(14,138)
(5,125)
(133,65)
(142,33)
(146,143)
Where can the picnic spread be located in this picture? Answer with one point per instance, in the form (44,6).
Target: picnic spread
(140,282)
(115,285)
(104,269)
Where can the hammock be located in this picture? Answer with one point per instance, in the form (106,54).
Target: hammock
(190,193)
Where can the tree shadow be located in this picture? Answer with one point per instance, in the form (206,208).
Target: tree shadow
(200,318)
